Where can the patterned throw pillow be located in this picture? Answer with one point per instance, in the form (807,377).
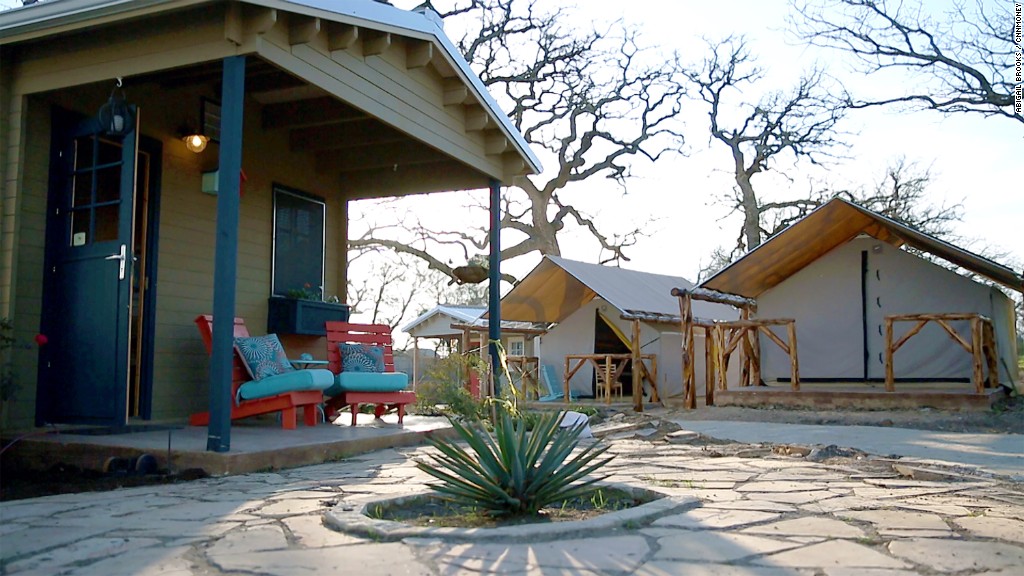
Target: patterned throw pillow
(361,358)
(263,356)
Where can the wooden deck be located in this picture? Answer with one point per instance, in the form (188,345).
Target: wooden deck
(862,396)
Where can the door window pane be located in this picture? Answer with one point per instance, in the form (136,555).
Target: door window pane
(83,151)
(81,189)
(110,152)
(107,220)
(108,184)
(80,227)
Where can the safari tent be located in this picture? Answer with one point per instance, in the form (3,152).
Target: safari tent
(596,310)
(843,269)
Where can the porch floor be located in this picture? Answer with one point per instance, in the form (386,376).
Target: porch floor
(862,396)
(256,444)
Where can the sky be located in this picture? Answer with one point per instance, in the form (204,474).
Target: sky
(974,160)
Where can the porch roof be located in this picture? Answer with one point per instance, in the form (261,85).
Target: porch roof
(379,94)
(829,226)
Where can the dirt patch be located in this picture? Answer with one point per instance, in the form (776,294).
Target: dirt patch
(434,512)
(1006,417)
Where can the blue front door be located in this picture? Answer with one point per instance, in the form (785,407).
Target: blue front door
(83,375)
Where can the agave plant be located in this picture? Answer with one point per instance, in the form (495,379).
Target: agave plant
(511,471)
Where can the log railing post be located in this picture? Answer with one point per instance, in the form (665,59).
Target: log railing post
(565,381)
(638,370)
(755,356)
(794,366)
(709,367)
(989,342)
(976,355)
(890,378)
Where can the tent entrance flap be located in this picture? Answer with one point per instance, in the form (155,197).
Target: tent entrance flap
(616,330)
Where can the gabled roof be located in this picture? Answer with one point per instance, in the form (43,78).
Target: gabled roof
(558,287)
(829,226)
(438,322)
(462,87)
(458,314)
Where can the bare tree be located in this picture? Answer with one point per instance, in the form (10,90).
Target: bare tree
(374,293)
(900,193)
(585,98)
(799,124)
(962,61)
(397,287)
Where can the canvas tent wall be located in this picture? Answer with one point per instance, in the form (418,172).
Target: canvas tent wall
(842,268)
(569,293)
(840,300)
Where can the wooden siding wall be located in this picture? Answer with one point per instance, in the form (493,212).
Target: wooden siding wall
(186,240)
(30,230)
(185,272)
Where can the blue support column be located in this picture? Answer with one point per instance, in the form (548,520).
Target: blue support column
(494,292)
(218,435)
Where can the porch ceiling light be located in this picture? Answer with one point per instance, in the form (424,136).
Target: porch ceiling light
(195,142)
(194,138)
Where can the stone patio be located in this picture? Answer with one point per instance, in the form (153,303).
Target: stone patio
(765,514)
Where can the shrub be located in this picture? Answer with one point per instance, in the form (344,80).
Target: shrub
(514,472)
(442,391)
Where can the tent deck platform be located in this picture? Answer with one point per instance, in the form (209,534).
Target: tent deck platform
(862,396)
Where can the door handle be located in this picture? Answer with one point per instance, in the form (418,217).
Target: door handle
(122,256)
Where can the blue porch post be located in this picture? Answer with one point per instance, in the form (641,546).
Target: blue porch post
(218,434)
(494,294)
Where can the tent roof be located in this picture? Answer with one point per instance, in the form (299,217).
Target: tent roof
(557,287)
(45,19)
(829,226)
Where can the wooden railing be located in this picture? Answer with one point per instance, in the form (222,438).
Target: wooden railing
(722,339)
(610,367)
(982,346)
(526,369)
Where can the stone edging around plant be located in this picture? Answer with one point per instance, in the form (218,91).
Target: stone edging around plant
(355,520)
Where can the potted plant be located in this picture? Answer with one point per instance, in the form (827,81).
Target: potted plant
(304,311)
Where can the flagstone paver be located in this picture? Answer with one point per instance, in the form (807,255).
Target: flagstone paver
(808,526)
(945,555)
(1008,529)
(835,553)
(763,515)
(713,546)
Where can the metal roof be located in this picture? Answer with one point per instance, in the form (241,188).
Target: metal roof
(58,14)
(460,314)
(829,226)
(557,287)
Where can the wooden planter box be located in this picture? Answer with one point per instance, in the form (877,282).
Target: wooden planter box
(306,317)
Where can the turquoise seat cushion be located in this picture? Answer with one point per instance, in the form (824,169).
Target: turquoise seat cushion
(263,356)
(294,381)
(368,382)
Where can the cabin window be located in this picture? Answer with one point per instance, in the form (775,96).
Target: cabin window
(516,347)
(298,243)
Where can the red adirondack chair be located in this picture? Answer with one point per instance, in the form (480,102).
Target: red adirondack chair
(286,403)
(373,335)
